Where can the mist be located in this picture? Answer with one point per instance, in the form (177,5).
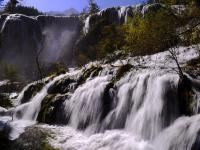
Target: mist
(25,38)
(58,45)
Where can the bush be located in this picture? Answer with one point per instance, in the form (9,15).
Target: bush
(55,68)
(154,33)
(9,72)
(142,35)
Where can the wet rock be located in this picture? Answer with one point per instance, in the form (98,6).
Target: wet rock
(5,101)
(107,100)
(122,71)
(52,109)
(4,132)
(185,96)
(196,145)
(31,91)
(9,87)
(34,138)
(90,72)
(193,67)
(61,86)
(21,38)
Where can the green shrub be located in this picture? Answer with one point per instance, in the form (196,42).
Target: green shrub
(154,33)
(5,101)
(57,68)
(9,72)
(122,71)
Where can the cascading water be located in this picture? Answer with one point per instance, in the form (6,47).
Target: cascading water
(85,104)
(32,108)
(26,114)
(140,111)
(181,135)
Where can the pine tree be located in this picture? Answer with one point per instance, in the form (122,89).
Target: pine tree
(93,7)
(10,5)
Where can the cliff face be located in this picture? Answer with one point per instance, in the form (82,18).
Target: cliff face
(60,35)
(54,37)
(120,15)
(23,38)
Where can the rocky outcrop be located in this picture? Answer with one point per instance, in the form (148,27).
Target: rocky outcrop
(70,23)
(23,38)
(9,87)
(119,15)
(33,138)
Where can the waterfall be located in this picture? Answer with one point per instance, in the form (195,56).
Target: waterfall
(182,135)
(149,97)
(87,25)
(85,105)
(32,108)
(140,111)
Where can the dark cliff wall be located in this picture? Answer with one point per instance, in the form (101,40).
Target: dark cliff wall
(23,38)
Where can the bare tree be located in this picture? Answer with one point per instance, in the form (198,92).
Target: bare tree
(173,52)
(37,59)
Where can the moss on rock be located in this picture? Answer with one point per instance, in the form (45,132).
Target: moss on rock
(31,91)
(5,101)
(193,67)
(51,107)
(122,70)
(92,71)
(34,138)
(61,86)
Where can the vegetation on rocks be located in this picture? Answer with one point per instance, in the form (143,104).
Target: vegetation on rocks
(5,101)
(122,71)
(34,138)
(61,86)
(51,105)
(146,34)
(8,72)
(93,71)
(193,67)
(31,91)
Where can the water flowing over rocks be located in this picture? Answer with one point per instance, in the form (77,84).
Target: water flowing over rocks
(113,106)
(53,38)
(135,103)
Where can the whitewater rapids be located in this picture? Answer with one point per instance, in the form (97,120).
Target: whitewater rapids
(140,111)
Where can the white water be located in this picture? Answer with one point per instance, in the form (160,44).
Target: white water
(142,111)
(33,107)
(179,136)
(87,25)
(67,138)
(148,98)
(141,101)
(85,104)
(28,112)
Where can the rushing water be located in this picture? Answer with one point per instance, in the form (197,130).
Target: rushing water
(141,111)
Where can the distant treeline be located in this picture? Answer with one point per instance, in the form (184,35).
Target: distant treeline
(12,7)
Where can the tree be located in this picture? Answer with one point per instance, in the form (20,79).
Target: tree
(14,2)
(84,11)
(11,5)
(93,7)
